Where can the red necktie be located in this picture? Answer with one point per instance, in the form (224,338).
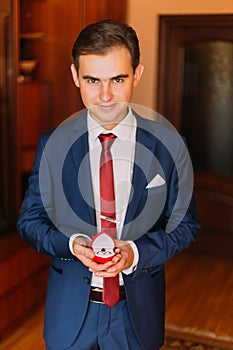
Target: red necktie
(111,291)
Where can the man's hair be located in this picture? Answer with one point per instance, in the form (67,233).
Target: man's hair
(101,37)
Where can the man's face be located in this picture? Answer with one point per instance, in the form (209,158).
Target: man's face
(106,84)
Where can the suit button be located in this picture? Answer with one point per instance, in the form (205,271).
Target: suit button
(87,280)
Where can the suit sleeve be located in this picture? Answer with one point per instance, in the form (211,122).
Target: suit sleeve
(178,225)
(34,224)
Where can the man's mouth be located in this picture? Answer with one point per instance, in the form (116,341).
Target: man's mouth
(107,107)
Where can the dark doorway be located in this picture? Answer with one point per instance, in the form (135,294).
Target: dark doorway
(207,105)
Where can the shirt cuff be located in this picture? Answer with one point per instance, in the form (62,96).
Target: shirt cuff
(133,267)
(72,238)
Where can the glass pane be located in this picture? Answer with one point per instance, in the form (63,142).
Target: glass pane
(207,106)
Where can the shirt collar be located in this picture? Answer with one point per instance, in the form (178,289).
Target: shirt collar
(125,130)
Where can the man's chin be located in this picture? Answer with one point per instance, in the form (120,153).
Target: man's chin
(105,114)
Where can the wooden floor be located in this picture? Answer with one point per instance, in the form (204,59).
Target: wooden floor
(199,294)
(28,335)
(200,286)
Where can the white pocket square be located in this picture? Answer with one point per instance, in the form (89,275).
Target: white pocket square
(156,181)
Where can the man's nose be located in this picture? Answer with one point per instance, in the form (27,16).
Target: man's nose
(105,92)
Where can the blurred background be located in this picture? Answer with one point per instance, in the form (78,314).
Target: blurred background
(187,50)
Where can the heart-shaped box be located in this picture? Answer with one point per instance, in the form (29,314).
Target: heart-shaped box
(103,246)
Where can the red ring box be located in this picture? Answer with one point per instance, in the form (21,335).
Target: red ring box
(103,246)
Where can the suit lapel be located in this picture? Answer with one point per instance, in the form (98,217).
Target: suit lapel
(144,154)
(78,168)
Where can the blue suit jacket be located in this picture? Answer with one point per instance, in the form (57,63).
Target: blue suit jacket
(48,230)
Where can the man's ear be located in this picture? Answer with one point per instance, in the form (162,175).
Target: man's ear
(138,74)
(74,75)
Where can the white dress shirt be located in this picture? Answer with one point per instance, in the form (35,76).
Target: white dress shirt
(123,150)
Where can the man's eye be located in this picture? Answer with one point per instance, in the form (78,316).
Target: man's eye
(118,80)
(92,80)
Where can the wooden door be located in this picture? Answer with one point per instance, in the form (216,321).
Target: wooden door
(201,121)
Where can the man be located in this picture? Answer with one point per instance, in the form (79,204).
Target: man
(62,213)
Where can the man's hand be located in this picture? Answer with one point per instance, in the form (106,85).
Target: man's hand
(83,252)
(82,249)
(122,260)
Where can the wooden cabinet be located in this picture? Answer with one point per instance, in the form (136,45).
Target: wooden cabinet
(33,119)
(52,27)
(33,113)
(36,102)
(46,32)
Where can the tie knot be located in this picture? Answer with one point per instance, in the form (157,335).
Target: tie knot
(107,139)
